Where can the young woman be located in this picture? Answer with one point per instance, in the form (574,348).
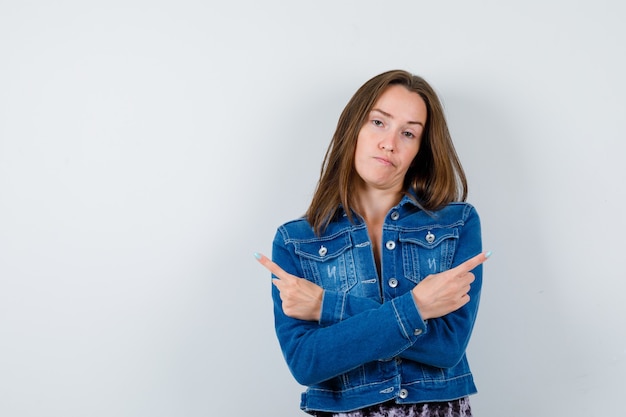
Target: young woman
(376,288)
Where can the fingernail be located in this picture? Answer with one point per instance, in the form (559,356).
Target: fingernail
(488,254)
(257,255)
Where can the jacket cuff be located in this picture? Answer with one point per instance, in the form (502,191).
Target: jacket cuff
(409,317)
(331,308)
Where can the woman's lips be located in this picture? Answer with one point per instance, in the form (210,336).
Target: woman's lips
(383,161)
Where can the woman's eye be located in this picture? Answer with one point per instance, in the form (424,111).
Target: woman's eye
(377,122)
(409,134)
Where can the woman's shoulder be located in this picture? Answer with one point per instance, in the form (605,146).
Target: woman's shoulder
(301,230)
(459,206)
(458,210)
(299,223)
(296,228)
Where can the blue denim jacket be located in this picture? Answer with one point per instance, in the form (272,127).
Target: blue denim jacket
(371,344)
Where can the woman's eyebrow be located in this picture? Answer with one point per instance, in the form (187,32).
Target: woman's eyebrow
(384,113)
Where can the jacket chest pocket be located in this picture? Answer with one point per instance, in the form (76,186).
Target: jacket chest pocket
(428,251)
(328,263)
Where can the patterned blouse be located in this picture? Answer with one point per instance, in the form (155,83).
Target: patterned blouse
(455,408)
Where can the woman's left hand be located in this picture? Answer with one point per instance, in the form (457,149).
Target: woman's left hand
(301,298)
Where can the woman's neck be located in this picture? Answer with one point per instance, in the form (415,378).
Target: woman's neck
(373,205)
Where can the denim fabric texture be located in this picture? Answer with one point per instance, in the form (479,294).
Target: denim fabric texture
(371,345)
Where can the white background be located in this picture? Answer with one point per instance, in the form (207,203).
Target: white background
(149,148)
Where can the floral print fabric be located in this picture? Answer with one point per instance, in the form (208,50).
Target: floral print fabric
(456,408)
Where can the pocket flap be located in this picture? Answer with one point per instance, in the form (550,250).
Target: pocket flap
(324,250)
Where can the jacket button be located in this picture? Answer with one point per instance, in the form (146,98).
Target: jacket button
(430,238)
(395,215)
(393,283)
(323,251)
(403,393)
(391,245)
(417,332)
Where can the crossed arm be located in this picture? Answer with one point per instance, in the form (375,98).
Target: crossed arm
(435,296)
(444,322)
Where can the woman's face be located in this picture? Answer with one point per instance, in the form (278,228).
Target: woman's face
(390,138)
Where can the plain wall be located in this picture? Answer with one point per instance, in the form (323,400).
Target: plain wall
(149,148)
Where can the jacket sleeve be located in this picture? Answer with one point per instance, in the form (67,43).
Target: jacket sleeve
(445,339)
(315,353)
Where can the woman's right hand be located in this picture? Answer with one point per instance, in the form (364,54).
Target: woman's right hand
(445,292)
(301,299)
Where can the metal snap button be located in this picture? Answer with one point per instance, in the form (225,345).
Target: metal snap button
(323,251)
(395,215)
(403,393)
(417,332)
(430,238)
(391,245)
(393,283)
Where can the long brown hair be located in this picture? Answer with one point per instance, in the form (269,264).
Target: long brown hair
(435,177)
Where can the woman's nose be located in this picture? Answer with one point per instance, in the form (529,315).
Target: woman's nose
(387,143)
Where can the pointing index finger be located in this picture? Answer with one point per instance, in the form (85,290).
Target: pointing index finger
(473,262)
(270,265)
